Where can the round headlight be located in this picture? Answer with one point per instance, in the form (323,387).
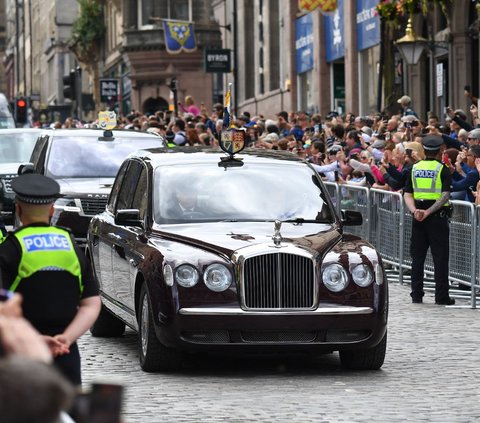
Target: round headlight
(217,277)
(362,275)
(335,277)
(168,275)
(186,275)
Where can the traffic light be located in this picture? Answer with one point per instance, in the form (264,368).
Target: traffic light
(21,110)
(69,85)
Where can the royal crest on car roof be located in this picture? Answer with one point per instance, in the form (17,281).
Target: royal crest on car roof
(232,139)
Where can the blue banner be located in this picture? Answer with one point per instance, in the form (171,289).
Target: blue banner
(304,43)
(179,36)
(334,38)
(368,24)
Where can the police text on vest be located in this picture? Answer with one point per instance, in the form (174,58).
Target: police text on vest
(46,242)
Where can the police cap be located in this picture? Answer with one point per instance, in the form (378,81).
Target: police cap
(33,188)
(432,142)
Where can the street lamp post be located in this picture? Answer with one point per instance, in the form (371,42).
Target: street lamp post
(411,48)
(410,45)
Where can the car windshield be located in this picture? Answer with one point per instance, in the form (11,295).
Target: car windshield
(7,122)
(249,193)
(87,157)
(17,147)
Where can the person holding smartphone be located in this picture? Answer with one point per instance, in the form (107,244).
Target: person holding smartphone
(44,265)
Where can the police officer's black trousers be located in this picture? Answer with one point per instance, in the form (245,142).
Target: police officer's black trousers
(433,232)
(69,365)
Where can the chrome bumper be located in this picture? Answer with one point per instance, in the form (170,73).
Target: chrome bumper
(229,311)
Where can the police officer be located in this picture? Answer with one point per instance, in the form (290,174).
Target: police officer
(43,263)
(427,194)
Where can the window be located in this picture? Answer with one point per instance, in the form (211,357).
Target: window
(140,199)
(129,185)
(39,154)
(249,50)
(180,10)
(274,45)
(116,188)
(151,12)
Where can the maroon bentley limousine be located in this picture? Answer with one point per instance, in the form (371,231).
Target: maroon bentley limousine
(198,251)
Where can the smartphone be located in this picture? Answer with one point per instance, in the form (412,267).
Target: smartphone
(408,152)
(446,159)
(5,294)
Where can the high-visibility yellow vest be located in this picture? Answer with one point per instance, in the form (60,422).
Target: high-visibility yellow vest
(45,248)
(426,181)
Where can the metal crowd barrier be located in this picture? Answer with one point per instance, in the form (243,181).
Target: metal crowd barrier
(387,225)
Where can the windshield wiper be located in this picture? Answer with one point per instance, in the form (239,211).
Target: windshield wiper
(297,220)
(301,220)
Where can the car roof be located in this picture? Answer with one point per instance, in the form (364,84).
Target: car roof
(15,130)
(96,132)
(198,155)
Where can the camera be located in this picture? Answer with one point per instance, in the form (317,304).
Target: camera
(101,405)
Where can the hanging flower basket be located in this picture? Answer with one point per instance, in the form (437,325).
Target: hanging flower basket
(393,10)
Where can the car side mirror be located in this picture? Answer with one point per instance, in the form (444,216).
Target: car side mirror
(25,168)
(128,217)
(351,218)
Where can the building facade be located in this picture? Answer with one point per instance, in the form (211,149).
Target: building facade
(136,54)
(37,54)
(288,59)
(283,58)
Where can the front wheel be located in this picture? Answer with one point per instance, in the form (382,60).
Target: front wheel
(153,355)
(365,359)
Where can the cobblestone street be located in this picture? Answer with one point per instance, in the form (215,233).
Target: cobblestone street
(430,374)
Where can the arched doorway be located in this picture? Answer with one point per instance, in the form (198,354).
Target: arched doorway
(152,105)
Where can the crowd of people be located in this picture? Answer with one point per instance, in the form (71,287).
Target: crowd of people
(374,150)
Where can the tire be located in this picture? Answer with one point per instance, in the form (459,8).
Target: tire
(153,355)
(365,359)
(107,325)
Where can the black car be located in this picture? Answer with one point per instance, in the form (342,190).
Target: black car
(16,146)
(199,253)
(84,162)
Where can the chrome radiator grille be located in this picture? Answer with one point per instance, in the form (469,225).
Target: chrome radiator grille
(278,281)
(95,206)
